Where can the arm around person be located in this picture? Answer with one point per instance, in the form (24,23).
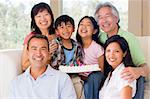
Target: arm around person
(142,69)
(24,60)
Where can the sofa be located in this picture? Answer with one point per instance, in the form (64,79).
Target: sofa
(145,45)
(10,61)
(10,67)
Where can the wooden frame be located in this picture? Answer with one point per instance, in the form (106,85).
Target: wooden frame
(139,15)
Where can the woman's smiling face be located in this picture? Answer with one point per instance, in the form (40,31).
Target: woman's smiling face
(114,54)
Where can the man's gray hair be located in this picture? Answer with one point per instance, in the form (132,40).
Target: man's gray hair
(107,4)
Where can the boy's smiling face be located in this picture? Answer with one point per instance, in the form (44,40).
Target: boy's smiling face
(65,30)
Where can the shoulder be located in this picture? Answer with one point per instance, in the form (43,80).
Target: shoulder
(96,45)
(28,37)
(61,77)
(76,44)
(121,83)
(57,73)
(127,35)
(16,81)
(30,34)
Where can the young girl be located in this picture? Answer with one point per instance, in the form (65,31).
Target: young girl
(118,57)
(87,35)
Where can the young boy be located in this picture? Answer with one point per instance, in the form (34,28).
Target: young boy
(69,52)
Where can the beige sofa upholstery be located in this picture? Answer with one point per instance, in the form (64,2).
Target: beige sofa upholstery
(9,68)
(145,45)
(10,61)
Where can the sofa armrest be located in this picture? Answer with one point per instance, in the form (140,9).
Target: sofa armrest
(10,67)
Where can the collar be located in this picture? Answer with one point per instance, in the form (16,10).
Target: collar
(117,69)
(49,71)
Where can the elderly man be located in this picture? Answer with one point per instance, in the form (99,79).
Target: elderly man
(107,17)
(40,81)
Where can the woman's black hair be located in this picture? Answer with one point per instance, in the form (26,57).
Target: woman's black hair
(38,8)
(94,36)
(127,60)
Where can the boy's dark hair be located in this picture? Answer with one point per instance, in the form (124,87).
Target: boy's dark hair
(65,19)
(94,36)
(39,8)
(38,36)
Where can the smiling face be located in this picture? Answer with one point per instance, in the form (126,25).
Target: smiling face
(106,20)
(65,30)
(114,54)
(43,19)
(38,52)
(86,28)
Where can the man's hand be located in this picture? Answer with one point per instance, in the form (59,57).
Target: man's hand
(131,73)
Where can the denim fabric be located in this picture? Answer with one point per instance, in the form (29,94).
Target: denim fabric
(140,89)
(92,84)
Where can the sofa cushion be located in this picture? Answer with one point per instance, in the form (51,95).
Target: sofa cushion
(145,45)
(10,61)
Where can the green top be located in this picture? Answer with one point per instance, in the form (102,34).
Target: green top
(134,46)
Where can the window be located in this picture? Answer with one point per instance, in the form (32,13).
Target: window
(15,17)
(15,21)
(79,8)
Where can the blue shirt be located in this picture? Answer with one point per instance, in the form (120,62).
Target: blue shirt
(52,84)
(69,53)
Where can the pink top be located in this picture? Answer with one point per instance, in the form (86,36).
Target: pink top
(92,53)
(28,37)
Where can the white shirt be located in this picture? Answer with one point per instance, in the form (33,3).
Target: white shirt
(52,84)
(112,88)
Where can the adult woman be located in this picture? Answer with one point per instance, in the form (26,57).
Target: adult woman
(41,23)
(118,56)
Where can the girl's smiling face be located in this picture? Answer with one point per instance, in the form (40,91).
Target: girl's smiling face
(114,54)
(86,28)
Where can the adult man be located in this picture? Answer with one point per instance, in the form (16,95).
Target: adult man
(40,81)
(107,17)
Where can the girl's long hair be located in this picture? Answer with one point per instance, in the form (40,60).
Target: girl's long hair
(94,36)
